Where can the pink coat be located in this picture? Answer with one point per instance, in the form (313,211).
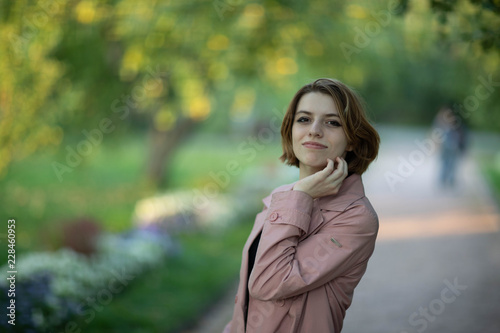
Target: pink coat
(311,256)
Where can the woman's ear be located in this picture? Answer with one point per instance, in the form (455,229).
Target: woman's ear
(349,147)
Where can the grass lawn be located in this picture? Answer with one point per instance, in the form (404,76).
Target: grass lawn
(103,187)
(205,154)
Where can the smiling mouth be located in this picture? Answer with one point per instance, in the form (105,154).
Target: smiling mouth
(313,145)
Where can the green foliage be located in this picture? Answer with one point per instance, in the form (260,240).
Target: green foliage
(475,21)
(29,78)
(150,64)
(491,170)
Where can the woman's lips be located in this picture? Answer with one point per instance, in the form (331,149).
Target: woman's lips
(313,145)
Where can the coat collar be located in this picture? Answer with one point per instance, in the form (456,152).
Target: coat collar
(351,190)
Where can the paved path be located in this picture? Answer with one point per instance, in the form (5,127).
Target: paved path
(436,266)
(428,239)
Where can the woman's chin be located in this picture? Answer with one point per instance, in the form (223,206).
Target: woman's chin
(315,164)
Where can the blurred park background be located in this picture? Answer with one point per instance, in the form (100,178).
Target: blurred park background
(137,138)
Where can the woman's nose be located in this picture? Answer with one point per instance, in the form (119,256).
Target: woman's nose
(315,129)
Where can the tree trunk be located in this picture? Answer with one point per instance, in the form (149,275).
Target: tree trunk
(162,145)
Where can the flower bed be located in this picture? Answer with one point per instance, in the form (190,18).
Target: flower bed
(54,288)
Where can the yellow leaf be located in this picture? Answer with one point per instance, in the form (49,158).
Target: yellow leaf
(199,107)
(131,62)
(252,16)
(356,12)
(85,12)
(286,66)
(164,119)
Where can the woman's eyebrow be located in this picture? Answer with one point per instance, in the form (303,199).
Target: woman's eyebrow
(326,115)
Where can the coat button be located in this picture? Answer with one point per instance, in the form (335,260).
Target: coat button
(280,302)
(273,217)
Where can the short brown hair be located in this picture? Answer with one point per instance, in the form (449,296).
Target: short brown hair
(361,135)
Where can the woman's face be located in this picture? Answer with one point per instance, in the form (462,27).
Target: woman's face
(317,132)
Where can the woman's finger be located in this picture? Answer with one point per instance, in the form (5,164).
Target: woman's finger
(328,169)
(337,173)
(337,177)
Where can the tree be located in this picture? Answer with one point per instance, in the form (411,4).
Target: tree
(475,21)
(155,62)
(168,66)
(29,77)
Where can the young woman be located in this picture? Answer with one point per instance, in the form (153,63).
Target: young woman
(310,245)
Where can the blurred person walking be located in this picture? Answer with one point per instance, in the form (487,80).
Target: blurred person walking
(453,145)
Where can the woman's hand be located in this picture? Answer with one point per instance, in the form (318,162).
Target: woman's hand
(324,182)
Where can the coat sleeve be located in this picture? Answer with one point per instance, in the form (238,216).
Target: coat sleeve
(285,267)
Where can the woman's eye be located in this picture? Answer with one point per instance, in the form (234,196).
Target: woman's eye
(302,120)
(333,123)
